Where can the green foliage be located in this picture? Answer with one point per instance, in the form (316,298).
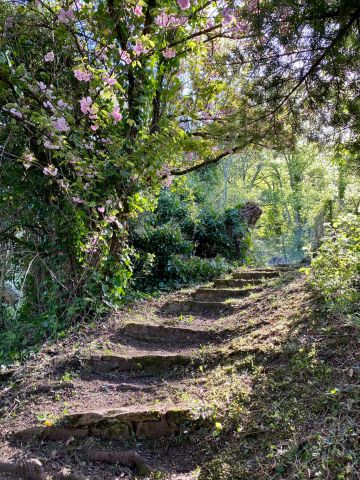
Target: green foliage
(185,270)
(184,242)
(298,189)
(48,318)
(71,177)
(335,270)
(221,232)
(70,181)
(164,240)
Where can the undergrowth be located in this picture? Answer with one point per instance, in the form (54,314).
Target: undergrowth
(334,273)
(299,417)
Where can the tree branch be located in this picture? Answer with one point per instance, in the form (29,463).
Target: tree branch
(342,31)
(210,161)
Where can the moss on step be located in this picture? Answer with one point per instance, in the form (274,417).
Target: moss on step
(192,306)
(127,424)
(255,275)
(235,283)
(145,362)
(224,293)
(160,333)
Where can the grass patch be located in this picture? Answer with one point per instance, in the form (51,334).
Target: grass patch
(298,418)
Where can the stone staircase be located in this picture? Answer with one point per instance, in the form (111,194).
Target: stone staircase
(216,299)
(141,356)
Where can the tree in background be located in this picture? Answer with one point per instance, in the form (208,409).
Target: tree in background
(186,241)
(299,190)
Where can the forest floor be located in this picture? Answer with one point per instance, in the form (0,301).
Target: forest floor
(248,379)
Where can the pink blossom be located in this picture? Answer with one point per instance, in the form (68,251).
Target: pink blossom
(168,21)
(138,10)
(49,105)
(177,21)
(183,4)
(206,116)
(63,104)
(77,200)
(162,20)
(109,80)
(49,57)
(228,18)
(82,76)
(116,115)
(50,145)
(253,5)
(242,26)
(101,53)
(190,156)
(94,127)
(65,16)
(61,125)
(139,48)
(124,56)
(28,160)
(42,86)
(169,52)
(168,181)
(92,114)
(63,184)
(50,171)
(101,209)
(113,219)
(85,105)
(16,113)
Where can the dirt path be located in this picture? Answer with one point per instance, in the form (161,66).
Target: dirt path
(149,392)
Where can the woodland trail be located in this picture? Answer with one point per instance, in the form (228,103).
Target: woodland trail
(141,395)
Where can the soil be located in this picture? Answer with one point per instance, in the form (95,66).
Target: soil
(216,364)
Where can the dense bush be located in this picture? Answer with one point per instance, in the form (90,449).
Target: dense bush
(222,233)
(183,242)
(335,271)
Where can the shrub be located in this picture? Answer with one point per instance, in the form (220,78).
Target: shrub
(165,260)
(163,241)
(194,269)
(335,271)
(183,242)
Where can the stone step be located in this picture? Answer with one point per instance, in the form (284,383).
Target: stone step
(255,275)
(234,283)
(224,293)
(193,306)
(134,387)
(166,334)
(284,267)
(243,282)
(123,423)
(147,362)
(275,268)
